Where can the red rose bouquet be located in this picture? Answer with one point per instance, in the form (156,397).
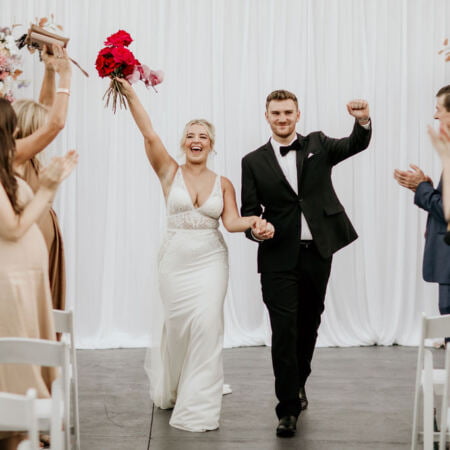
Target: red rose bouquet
(116,61)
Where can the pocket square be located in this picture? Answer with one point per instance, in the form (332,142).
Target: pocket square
(310,155)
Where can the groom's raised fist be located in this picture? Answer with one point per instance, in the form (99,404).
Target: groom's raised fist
(359,109)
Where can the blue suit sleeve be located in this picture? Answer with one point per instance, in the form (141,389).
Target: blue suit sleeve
(430,199)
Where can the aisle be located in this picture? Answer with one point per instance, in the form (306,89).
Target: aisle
(360,398)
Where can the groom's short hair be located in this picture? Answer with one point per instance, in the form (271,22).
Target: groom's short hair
(445,91)
(281,94)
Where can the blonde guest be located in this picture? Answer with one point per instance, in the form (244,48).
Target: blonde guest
(38,125)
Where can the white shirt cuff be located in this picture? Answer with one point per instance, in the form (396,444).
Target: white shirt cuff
(366,126)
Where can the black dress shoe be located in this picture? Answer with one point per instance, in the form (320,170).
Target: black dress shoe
(303,399)
(287,426)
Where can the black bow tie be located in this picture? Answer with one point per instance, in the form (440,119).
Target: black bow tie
(284,150)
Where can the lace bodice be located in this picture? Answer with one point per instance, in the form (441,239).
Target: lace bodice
(182,214)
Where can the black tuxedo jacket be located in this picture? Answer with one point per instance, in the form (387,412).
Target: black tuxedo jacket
(267,192)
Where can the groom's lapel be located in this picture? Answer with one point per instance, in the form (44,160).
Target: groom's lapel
(301,155)
(272,161)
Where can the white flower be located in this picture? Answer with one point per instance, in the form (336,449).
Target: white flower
(10,44)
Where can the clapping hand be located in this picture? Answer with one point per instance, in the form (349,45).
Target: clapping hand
(58,170)
(441,141)
(411,178)
(359,109)
(262,229)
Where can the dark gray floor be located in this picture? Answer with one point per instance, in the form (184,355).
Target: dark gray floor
(360,399)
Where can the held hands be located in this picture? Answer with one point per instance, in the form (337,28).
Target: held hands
(359,109)
(441,141)
(261,229)
(411,178)
(58,170)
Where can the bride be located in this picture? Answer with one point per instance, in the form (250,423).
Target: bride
(192,271)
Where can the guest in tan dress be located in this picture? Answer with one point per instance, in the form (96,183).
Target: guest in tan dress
(38,125)
(25,298)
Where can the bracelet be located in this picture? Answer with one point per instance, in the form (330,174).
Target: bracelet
(63,91)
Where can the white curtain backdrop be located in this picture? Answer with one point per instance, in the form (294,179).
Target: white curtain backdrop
(221,58)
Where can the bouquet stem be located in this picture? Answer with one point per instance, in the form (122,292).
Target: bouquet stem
(115,95)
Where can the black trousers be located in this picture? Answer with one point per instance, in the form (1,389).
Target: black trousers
(295,301)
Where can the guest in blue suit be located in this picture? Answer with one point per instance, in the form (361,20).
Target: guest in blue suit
(441,142)
(436,257)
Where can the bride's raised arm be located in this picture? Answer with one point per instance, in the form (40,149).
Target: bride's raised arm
(163,164)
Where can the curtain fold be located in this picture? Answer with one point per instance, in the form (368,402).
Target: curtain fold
(221,59)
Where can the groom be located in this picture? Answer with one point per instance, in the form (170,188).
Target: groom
(288,181)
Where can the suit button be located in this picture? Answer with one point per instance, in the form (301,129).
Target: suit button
(300,201)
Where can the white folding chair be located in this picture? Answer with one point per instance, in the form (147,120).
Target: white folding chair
(52,413)
(431,382)
(64,324)
(444,434)
(18,413)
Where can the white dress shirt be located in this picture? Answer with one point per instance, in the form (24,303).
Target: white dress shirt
(288,164)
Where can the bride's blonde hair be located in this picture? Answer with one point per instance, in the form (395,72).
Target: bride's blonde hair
(210,130)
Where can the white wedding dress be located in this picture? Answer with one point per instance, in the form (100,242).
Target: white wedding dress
(193,278)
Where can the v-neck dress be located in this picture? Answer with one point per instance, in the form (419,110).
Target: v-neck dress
(193,279)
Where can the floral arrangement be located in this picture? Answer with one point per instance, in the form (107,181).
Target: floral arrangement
(45,32)
(116,61)
(49,24)
(45,23)
(445,50)
(10,63)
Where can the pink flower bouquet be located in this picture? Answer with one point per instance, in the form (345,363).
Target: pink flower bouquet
(10,63)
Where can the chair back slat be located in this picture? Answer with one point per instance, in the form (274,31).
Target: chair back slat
(436,327)
(18,413)
(32,351)
(14,410)
(63,321)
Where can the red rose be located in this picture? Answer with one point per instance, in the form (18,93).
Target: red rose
(123,56)
(121,38)
(105,63)
(128,70)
